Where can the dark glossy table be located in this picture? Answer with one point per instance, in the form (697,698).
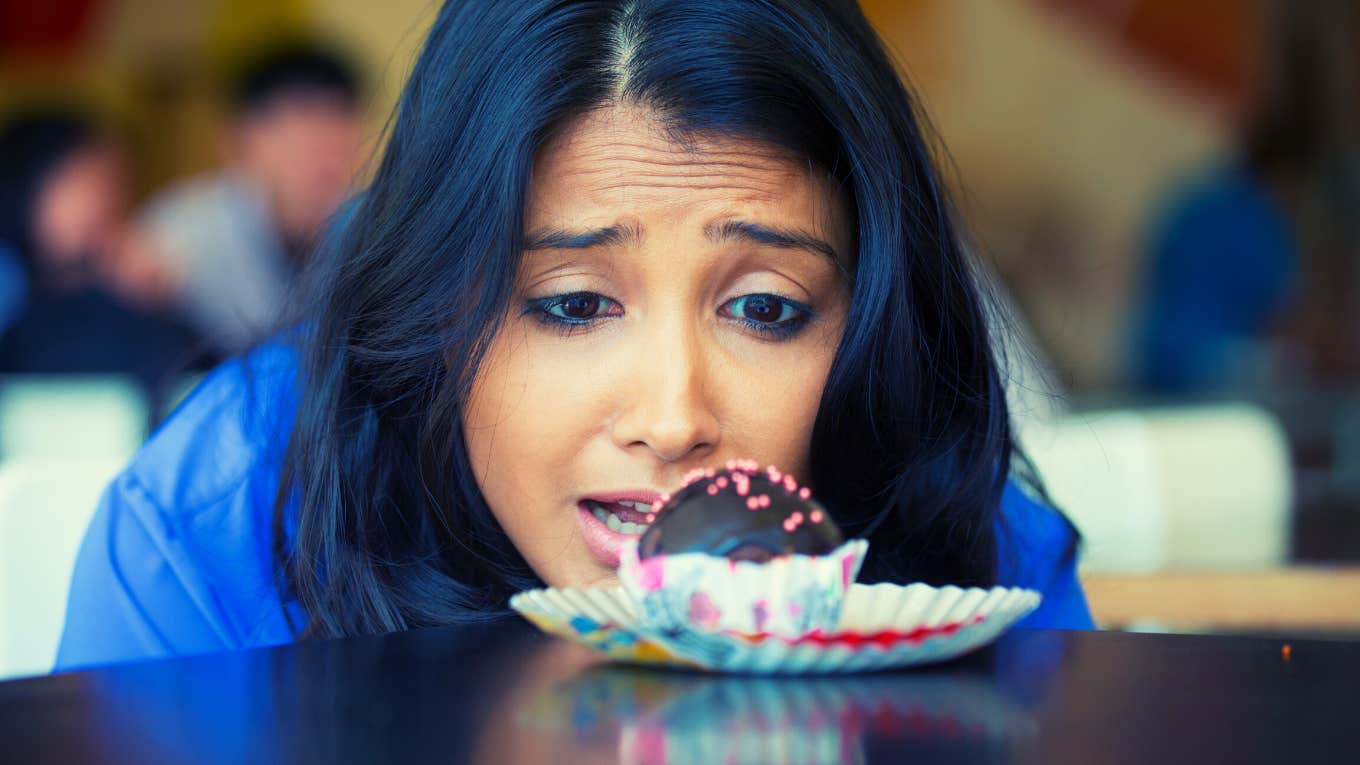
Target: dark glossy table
(502,693)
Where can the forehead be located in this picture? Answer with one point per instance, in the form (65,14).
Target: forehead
(621,160)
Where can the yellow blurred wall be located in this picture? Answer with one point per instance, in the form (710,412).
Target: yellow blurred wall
(1063,150)
(386,36)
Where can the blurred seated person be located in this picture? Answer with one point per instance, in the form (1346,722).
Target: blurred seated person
(1221,273)
(1253,275)
(238,238)
(77,300)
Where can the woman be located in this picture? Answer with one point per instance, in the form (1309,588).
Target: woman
(609,242)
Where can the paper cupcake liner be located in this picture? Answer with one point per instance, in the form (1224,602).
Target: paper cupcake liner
(604,619)
(791,595)
(881,626)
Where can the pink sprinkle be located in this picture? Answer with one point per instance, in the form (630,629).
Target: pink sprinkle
(712,490)
(790,484)
(703,610)
(743,483)
(651,574)
(722,482)
(804,493)
(789,525)
(774,474)
(753,502)
(797,516)
(651,517)
(731,464)
(761,612)
(816,516)
(657,504)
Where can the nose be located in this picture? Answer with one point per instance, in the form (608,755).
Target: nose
(665,407)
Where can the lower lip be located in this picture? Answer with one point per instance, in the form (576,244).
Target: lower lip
(604,543)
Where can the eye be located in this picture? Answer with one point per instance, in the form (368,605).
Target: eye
(769,314)
(578,307)
(573,309)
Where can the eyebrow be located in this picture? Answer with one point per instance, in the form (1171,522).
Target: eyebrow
(771,237)
(562,239)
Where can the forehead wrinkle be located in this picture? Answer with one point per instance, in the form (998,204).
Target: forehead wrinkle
(647,167)
(644,168)
(642,176)
(621,152)
(754,192)
(754,158)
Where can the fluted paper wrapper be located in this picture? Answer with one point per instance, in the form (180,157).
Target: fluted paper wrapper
(788,596)
(882,626)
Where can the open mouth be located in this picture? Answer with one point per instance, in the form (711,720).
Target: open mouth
(626,517)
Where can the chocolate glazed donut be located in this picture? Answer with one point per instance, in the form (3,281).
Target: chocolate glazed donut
(741,513)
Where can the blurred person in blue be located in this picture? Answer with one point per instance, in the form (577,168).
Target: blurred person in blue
(75,298)
(1251,276)
(236,239)
(589,262)
(1222,273)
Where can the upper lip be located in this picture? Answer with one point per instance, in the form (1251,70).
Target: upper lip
(645,496)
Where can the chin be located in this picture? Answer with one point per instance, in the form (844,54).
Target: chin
(598,578)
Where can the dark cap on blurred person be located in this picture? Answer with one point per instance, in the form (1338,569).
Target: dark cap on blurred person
(34,139)
(295,68)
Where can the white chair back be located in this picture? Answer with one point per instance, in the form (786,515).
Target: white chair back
(66,417)
(45,505)
(1187,488)
(62,439)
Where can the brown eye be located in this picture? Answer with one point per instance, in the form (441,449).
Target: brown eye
(580,306)
(574,308)
(772,315)
(762,308)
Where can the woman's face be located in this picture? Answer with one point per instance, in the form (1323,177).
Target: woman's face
(675,307)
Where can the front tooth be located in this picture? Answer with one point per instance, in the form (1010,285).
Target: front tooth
(613,522)
(628,527)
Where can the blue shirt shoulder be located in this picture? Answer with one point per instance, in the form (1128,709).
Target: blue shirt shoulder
(1038,551)
(178,557)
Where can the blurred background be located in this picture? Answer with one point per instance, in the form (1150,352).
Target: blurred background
(1166,195)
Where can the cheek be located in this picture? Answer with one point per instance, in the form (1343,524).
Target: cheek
(772,407)
(519,436)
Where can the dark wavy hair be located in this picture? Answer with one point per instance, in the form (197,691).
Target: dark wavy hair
(380,524)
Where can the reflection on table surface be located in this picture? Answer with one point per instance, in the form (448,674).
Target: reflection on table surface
(503,693)
(569,709)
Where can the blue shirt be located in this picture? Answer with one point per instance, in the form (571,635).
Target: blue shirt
(13,286)
(1221,271)
(178,556)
